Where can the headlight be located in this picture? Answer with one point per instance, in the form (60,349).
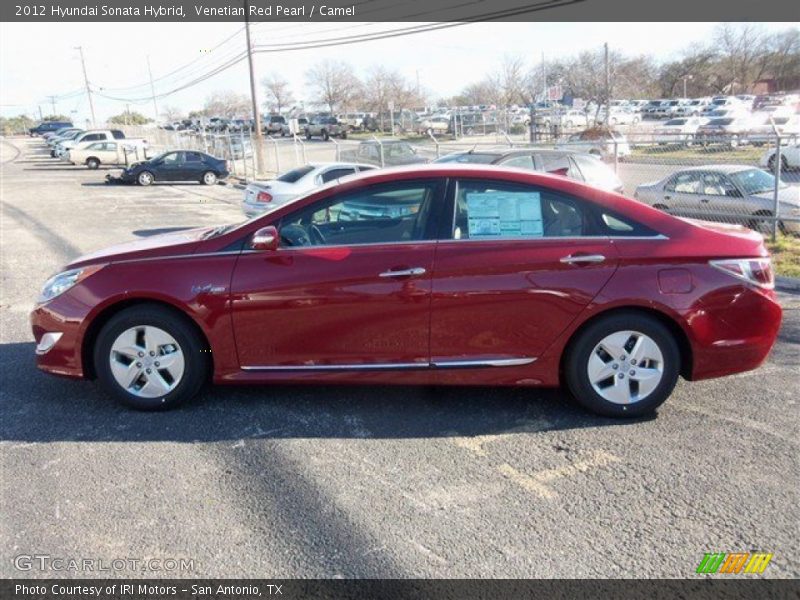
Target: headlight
(61,282)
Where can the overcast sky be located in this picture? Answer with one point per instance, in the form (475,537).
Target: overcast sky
(39,59)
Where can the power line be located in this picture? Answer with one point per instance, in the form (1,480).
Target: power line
(341,41)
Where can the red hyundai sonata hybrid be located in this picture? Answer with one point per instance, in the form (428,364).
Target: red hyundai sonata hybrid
(443,274)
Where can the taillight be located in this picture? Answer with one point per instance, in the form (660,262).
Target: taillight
(263,197)
(757,271)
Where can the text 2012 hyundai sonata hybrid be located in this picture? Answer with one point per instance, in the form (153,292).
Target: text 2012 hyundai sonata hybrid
(442,274)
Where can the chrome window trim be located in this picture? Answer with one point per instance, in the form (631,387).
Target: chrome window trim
(441,364)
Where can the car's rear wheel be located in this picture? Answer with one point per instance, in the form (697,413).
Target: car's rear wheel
(150,358)
(623,365)
(145,178)
(92,163)
(771,164)
(325,135)
(209,178)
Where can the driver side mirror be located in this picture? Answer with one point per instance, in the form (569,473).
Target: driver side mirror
(265,238)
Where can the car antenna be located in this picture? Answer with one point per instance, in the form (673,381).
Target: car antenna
(471,150)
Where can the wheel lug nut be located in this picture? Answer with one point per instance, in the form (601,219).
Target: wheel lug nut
(138,364)
(152,353)
(148,371)
(621,375)
(633,372)
(622,358)
(615,366)
(141,354)
(633,361)
(157,364)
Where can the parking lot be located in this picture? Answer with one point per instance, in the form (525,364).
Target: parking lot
(358,481)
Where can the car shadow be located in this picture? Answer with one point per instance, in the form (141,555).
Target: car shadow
(36,407)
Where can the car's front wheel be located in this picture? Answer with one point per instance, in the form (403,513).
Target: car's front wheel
(150,358)
(145,178)
(623,365)
(92,163)
(209,178)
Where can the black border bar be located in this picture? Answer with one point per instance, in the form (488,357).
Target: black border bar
(719,587)
(395,10)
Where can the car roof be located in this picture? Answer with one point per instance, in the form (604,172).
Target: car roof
(323,165)
(720,168)
(519,151)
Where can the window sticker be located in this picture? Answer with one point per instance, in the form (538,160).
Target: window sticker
(504,214)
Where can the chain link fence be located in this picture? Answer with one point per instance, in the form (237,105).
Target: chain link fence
(720,177)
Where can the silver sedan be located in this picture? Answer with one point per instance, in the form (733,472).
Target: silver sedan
(729,193)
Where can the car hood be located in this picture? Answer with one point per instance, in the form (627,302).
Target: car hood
(788,195)
(166,244)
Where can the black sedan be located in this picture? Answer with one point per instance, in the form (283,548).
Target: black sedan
(180,165)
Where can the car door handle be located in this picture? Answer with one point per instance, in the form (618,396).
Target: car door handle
(667,197)
(704,200)
(404,272)
(576,259)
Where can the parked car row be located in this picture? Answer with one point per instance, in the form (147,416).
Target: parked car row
(111,148)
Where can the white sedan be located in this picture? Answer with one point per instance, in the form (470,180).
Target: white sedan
(790,158)
(678,131)
(260,196)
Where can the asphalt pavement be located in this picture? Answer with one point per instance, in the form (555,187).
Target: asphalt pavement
(354,481)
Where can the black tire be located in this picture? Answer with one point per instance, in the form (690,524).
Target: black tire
(771,164)
(308,135)
(145,178)
(325,135)
(177,325)
(761,225)
(580,349)
(92,163)
(344,135)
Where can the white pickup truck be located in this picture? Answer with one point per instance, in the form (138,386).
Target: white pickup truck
(93,135)
(117,152)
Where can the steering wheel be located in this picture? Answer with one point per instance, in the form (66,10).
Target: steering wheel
(295,235)
(316,235)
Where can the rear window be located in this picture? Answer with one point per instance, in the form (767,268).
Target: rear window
(720,121)
(676,122)
(295,175)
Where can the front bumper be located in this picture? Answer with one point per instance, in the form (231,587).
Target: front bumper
(61,318)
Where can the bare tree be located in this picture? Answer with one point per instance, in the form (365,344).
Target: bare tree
(279,96)
(227,104)
(334,84)
(171,113)
(742,51)
(508,82)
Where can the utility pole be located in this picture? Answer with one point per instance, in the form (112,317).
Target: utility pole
(608,85)
(259,150)
(86,81)
(41,116)
(53,103)
(152,88)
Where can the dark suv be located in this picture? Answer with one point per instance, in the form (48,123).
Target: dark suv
(575,165)
(48,126)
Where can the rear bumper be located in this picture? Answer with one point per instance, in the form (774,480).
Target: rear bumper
(733,330)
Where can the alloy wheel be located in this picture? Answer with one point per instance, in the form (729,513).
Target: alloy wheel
(146,361)
(625,367)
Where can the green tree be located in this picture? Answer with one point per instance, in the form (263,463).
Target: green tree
(129,118)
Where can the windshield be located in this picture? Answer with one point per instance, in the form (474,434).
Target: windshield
(720,122)
(295,175)
(468,157)
(676,122)
(755,181)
